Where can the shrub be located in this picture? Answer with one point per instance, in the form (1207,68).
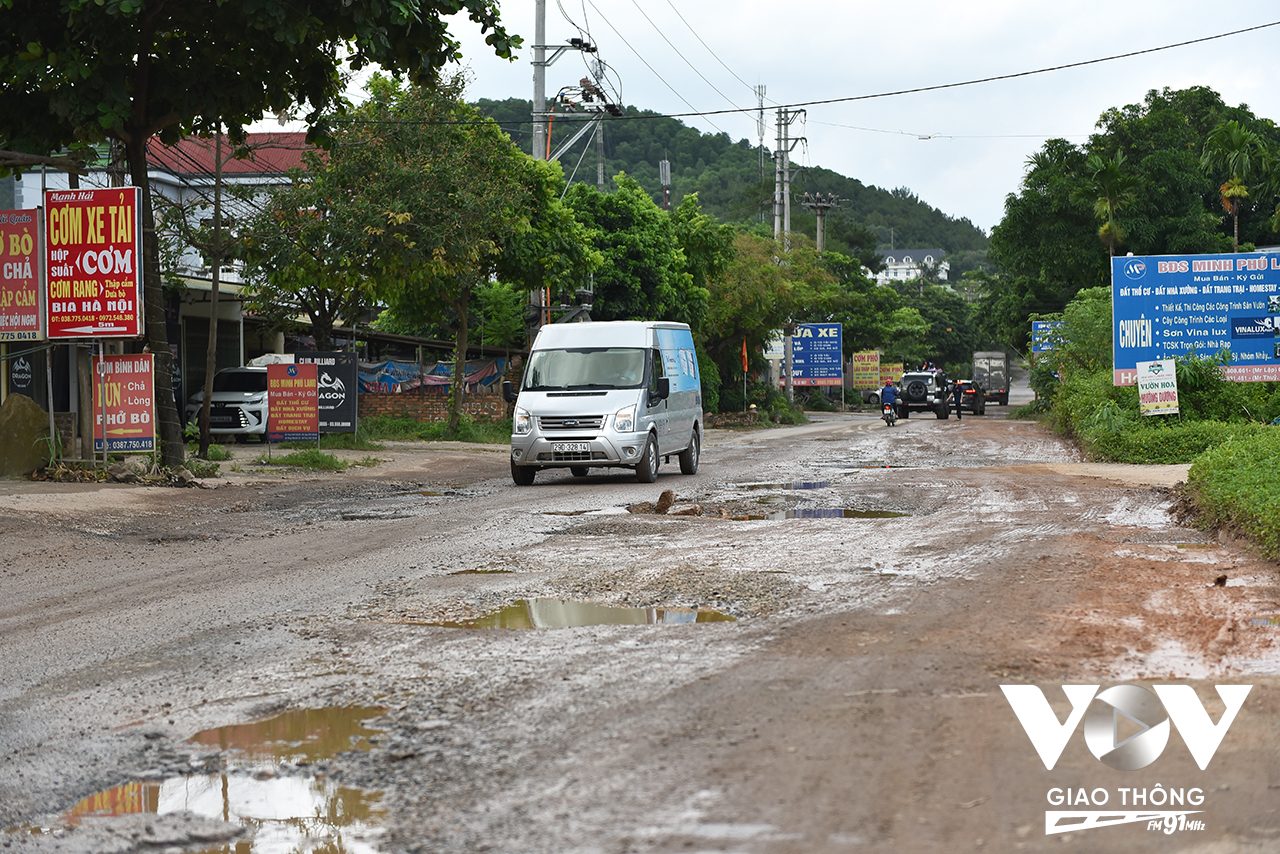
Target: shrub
(1166,444)
(1235,484)
(710,374)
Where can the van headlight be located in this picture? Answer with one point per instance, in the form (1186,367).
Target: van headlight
(625,420)
(521,422)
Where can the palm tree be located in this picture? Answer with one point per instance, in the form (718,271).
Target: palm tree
(1107,187)
(1242,154)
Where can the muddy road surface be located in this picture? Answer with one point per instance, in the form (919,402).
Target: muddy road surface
(805,653)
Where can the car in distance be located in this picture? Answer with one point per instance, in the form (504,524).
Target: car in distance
(972,397)
(924,391)
(239,404)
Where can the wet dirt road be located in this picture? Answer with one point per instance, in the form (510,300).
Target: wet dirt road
(855,703)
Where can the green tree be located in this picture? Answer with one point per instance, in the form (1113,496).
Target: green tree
(452,204)
(88,70)
(644,273)
(762,290)
(307,253)
(1242,155)
(1108,187)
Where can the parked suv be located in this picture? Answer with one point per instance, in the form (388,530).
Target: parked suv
(923,391)
(239,404)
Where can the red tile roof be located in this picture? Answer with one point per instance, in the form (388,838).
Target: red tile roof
(271,153)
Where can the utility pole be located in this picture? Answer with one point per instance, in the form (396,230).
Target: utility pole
(760,134)
(539,80)
(538,306)
(664,178)
(782,174)
(820,204)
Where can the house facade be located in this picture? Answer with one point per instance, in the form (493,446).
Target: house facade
(903,265)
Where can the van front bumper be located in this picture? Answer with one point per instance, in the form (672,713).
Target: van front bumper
(620,449)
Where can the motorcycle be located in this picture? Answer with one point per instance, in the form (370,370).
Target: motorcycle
(889,415)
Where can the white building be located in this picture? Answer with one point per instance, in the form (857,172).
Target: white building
(903,265)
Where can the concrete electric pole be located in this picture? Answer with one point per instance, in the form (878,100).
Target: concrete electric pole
(820,204)
(782,174)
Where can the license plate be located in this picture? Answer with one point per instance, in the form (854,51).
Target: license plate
(570,447)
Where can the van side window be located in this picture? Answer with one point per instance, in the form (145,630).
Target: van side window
(655,372)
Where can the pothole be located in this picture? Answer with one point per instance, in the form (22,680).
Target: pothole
(559,614)
(265,787)
(795,484)
(820,513)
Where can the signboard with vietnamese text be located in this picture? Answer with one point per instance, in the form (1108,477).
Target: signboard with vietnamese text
(866,369)
(817,358)
(1158,388)
(1044,335)
(124,398)
(890,371)
(337,384)
(293,411)
(1165,306)
(20,276)
(93,249)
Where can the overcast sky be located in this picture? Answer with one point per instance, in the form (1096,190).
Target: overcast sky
(961,150)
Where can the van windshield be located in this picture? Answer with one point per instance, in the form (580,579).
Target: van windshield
(585,368)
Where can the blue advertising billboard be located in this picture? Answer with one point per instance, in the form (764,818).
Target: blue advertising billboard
(1165,306)
(1042,337)
(817,356)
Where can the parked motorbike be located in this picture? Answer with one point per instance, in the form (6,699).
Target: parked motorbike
(890,416)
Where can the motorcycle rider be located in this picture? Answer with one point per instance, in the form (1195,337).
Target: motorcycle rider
(889,396)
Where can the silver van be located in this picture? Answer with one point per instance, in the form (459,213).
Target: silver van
(621,394)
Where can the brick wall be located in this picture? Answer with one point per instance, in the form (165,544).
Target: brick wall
(431,407)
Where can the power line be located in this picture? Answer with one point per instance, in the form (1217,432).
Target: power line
(659,76)
(709,50)
(681,55)
(850,98)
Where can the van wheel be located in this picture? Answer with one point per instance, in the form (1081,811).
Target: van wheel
(647,470)
(578,471)
(523,475)
(689,456)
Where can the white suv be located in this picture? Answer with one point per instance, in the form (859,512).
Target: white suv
(239,404)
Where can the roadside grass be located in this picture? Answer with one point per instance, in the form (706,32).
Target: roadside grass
(217,453)
(1235,485)
(313,459)
(337,442)
(407,430)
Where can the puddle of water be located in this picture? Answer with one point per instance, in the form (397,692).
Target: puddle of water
(567,512)
(797,484)
(285,813)
(821,513)
(484,572)
(557,614)
(298,735)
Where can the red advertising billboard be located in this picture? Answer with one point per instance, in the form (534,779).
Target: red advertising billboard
(293,403)
(126,385)
(93,248)
(20,275)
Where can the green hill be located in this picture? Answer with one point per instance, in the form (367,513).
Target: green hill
(726,175)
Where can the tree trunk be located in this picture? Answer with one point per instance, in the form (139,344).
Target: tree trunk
(172,451)
(459,363)
(211,352)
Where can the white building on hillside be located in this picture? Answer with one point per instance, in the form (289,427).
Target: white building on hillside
(903,265)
